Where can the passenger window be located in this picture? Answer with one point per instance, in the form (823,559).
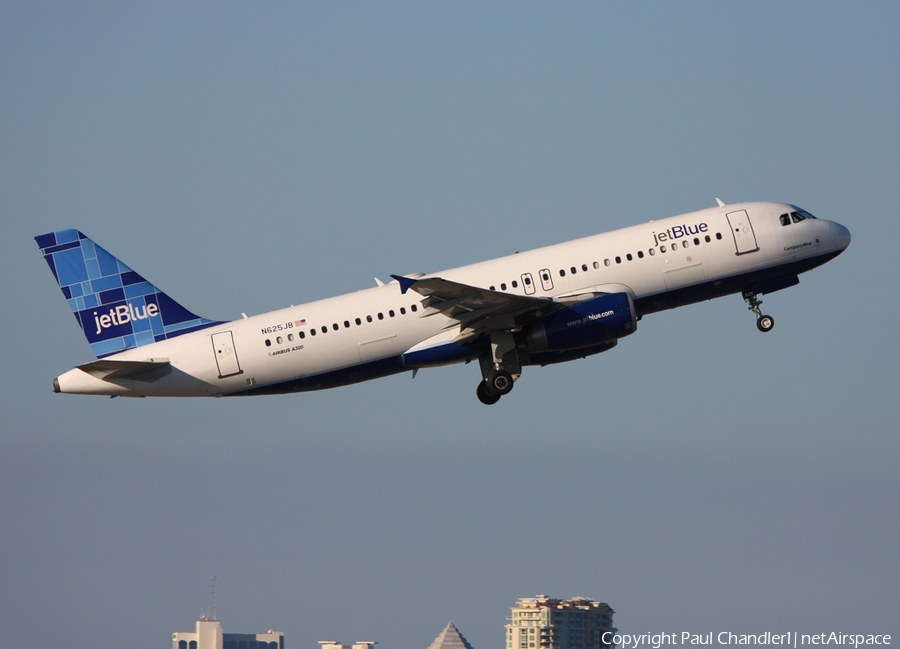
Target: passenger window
(546,277)
(596,264)
(346,324)
(652,251)
(414,308)
(696,242)
(562,273)
(606,262)
(312,332)
(674,246)
(515,284)
(402,310)
(324,329)
(719,236)
(268,343)
(785,219)
(503,286)
(574,270)
(618,260)
(584,267)
(662,248)
(358,321)
(279,340)
(335,326)
(640,254)
(684,244)
(629,257)
(527,281)
(368,318)
(290,336)
(708,239)
(391,313)
(381,316)
(493,289)
(302,335)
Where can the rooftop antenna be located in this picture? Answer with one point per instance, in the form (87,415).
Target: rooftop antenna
(215,615)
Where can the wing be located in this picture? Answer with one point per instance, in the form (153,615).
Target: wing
(475,310)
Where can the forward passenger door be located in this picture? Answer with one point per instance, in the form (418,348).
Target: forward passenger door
(742,231)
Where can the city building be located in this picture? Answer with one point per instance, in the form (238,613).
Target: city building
(361,644)
(450,638)
(545,623)
(209,635)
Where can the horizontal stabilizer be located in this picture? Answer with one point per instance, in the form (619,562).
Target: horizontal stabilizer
(106,370)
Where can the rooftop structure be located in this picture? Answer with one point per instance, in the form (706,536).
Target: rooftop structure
(209,635)
(450,638)
(547,623)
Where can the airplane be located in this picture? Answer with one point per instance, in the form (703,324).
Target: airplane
(550,305)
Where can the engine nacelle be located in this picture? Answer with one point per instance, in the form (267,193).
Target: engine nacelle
(585,324)
(550,358)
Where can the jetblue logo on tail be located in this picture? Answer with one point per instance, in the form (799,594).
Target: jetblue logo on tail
(123,314)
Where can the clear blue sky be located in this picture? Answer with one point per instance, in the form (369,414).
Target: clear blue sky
(699,477)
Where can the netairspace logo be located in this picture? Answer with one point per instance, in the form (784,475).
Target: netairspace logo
(790,639)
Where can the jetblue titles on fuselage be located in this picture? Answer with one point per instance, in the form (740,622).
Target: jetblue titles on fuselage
(679,231)
(589,294)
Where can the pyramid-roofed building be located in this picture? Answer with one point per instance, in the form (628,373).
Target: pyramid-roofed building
(450,638)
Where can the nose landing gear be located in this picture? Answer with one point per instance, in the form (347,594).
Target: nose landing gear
(763,322)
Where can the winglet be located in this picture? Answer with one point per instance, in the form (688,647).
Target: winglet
(405,283)
(721,204)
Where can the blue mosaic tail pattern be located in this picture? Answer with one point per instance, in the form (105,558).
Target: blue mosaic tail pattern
(115,307)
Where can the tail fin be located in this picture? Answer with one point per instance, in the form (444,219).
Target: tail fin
(115,307)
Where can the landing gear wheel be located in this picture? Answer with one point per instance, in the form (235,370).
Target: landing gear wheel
(500,382)
(765,323)
(485,397)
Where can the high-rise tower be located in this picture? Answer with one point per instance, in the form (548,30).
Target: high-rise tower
(546,623)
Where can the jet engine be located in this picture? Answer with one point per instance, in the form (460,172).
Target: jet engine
(594,323)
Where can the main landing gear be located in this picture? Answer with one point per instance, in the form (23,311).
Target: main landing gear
(499,368)
(490,390)
(763,322)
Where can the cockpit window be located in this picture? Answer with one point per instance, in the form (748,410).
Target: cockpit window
(796,217)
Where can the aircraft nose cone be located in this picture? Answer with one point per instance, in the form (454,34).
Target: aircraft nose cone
(840,235)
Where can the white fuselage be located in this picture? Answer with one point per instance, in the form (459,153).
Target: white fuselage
(712,255)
